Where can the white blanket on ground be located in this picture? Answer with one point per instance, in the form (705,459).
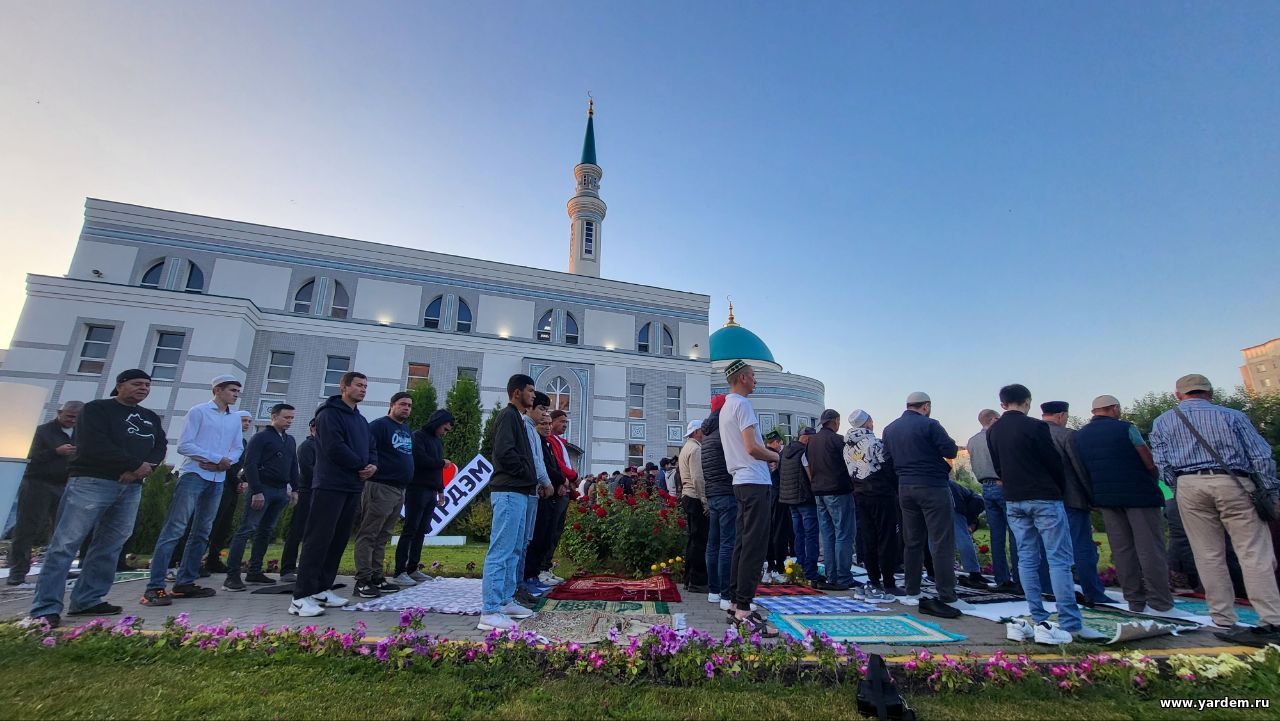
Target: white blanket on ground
(443,595)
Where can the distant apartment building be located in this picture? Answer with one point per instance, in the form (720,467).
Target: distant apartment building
(1261,369)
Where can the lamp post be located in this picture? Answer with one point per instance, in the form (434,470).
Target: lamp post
(24,404)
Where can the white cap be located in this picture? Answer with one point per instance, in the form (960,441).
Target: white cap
(918,397)
(224,378)
(1104,401)
(244,414)
(692,428)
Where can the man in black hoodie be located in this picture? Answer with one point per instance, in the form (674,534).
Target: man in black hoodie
(298,524)
(346,457)
(422,495)
(42,486)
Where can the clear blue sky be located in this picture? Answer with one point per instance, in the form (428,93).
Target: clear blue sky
(944,197)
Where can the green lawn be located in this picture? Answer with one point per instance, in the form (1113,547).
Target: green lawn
(982,536)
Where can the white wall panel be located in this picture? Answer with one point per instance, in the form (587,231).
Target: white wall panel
(266,285)
(611,381)
(115,262)
(388,302)
(614,331)
(506,317)
(380,360)
(34,359)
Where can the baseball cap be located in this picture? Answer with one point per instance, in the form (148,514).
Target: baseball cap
(1104,401)
(224,378)
(807,431)
(917,398)
(1193,382)
(693,427)
(129,375)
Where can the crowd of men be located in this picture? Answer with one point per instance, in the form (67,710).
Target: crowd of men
(887,503)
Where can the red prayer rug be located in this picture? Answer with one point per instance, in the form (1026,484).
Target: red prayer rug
(616,588)
(785,589)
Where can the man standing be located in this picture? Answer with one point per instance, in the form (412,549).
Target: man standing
(780,539)
(421,497)
(875,492)
(993,501)
(540,541)
(919,448)
(42,485)
(345,458)
(722,519)
(557,505)
(118,444)
(383,495)
(271,470)
(1030,468)
(302,509)
(211,442)
(795,493)
(748,461)
(1122,475)
(513,482)
(833,494)
(232,489)
(1213,457)
(693,501)
(1077,498)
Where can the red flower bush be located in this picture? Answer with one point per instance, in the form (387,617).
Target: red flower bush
(984,548)
(626,534)
(601,512)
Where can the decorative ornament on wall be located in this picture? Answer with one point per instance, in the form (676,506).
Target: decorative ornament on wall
(637,431)
(675,434)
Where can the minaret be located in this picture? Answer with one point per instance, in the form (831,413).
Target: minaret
(586,209)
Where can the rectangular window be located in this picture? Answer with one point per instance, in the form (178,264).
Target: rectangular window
(672,452)
(588,238)
(635,454)
(635,401)
(674,406)
(334,367)
(784,420)
(470,374)
(93,354)
(1262,367)
(1266,382)
(164,362)
(279,371)
(418,372)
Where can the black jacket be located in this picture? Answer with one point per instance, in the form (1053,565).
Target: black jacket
(513,470)
(553,469)
(428,453)
(826,462)
(271,459)
(306,464)
(716,479)
(967,503)
(113,439)
(794,490)
(344,446)
(1025,458)
(45,463)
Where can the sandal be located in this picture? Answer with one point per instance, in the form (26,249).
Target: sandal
(755,624)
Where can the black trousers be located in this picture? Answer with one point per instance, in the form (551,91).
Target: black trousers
(293,539)
(560,511)
(328,530)
(752,544)
(878,534)
(781,536)
(220,532)
(695,547)
(419,507)
(37,510)
(537,548)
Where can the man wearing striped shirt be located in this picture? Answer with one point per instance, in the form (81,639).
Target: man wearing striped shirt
(1211,498)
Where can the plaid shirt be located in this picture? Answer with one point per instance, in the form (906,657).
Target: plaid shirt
(1229,431)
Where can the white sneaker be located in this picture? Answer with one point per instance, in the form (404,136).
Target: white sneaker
(726,605)
(305,607)
(548,578)
(420,577)
(515,610)
(1174,612)
(713,598)
(1019,630)
(1088,634)
(491,621)
(404,580)
(1051,634)
(911,599)
(329,599)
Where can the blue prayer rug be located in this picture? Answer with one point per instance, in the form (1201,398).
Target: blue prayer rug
(899,629)
(1244,614)
(815,604)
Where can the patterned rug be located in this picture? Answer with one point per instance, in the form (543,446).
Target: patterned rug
(443,595)
(985,598)
(816,604)
(900,629)
(785,589)
(594,626)
(616,588)
(1120,626)
(1244,614)
(618,607)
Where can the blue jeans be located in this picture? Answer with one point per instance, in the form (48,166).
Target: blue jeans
(964,544)
(507,540)
(804,526)
(195,502)
(259,524)
(530,520)
(837,524)
(107,509)
(721,535)
(1043,525)
(993,500)
(1085,555)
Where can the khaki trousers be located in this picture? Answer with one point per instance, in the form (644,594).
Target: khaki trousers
(1137,548)
(1208,505)
(379,511)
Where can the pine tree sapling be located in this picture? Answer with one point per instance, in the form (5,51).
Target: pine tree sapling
(463,442)
(490,424)
(424,402)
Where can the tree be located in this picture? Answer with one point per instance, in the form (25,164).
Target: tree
(1144,411)
(1263,411)
(490,425)
(424,403)
(463,442)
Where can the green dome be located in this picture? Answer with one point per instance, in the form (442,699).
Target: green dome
(733,342)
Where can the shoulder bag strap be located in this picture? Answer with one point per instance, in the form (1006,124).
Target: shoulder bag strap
(1205,445)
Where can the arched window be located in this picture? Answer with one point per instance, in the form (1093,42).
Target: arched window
(195,278)
(431,319)
(668,341)
(303,298)
(341,301)
(559,393)
(464,317)
(570,329)
(544,328)
(642,340)
(151,278)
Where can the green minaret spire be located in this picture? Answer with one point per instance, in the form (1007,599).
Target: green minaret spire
(589,143)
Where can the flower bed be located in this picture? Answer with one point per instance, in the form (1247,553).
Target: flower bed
(624,534)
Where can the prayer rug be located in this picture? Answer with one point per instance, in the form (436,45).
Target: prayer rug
(1197,607)
(619,607)
(785,589)
(443,595)
(982,599)
(1175,615)
(594,626)
(616,588)
(900,629)
(1123,626)
(816,604)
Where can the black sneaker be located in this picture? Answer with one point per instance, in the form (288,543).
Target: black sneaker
(259,578)
(385,586)
(696,589)
(53,619)
(155,597)
(824,586)
(191,590)
(974,581)
(1009,587)
(289,577)
(98,609)
(895,590)
(524,598)
(13,580)
(934,607)
(1256,636)
(367,590)
(233,583)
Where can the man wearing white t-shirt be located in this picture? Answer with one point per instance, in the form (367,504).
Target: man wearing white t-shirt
(748,461)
